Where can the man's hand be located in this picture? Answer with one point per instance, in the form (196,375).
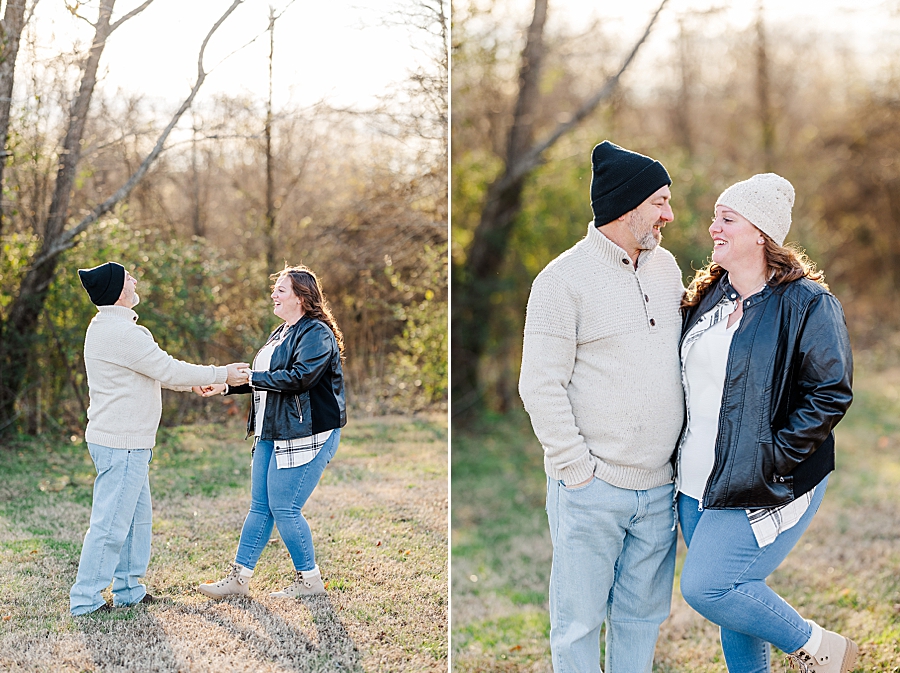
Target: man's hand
(586,481)
(238,373)
(209,391)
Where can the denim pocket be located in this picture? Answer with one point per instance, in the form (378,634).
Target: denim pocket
(102,457)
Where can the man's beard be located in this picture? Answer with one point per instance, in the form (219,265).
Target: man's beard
(645,237)
(135,300)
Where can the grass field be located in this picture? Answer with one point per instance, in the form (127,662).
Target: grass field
(844,573)
(379,520)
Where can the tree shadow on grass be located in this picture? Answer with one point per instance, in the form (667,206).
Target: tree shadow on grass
(272,635)
(233,634)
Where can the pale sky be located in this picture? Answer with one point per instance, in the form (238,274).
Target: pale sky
(333,49)
(869,28)
(845,15)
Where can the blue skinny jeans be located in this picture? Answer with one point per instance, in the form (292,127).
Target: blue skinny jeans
(724,579)
(277,497)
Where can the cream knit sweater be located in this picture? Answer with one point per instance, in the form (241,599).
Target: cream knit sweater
(125,368)
(600,376)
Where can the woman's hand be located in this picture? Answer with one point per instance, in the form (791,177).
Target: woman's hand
(210,390)
(238,373)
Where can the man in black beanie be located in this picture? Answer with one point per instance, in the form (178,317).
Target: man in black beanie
(125,370)
(601,380)
(103,283)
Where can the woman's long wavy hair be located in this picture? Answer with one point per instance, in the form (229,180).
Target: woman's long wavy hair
(306,286)
(785,264)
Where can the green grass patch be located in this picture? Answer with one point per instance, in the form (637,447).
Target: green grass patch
(842,573)
(386,605)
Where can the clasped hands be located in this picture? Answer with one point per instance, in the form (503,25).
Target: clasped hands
(238,375)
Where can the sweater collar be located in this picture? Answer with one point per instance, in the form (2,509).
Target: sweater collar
(118,313)
(598,245)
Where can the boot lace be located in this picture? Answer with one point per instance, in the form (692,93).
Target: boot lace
(797,660)
(234,574)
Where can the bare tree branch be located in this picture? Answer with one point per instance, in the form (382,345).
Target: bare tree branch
(31,11)
(73,10)
(273,17)
(134,12)
(67,239)
(534,156)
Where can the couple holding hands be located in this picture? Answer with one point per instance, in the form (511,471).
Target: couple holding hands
(713,406)
(296,415)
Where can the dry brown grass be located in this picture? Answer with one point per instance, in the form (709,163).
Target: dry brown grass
(379,521)
(843,573)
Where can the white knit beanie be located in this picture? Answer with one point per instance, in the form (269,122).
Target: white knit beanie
(766,200)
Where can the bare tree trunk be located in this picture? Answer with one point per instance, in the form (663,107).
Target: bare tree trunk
(685,92)
(270,169)
(475,280)
(197,224)
(502,204)
(22,317)
(767,125)
(20,323)
(71,150)
(10,34)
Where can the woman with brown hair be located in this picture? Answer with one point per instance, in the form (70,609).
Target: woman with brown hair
(296,417)
(767,369)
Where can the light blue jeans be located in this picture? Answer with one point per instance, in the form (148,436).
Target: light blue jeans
(724,579)
(117,544)
(277,497)
(613,560)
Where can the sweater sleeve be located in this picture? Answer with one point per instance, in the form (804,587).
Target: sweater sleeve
(548,359)
(153,362)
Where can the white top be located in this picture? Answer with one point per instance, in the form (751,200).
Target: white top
(261,364)
(601,376)
(705,374)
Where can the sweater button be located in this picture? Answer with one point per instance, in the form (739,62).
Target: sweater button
(646,298)
(652,322)
(624,260)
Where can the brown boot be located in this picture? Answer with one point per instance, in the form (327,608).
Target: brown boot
(836,654)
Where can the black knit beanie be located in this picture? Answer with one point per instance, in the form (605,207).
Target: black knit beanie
(621,181)
(103,283)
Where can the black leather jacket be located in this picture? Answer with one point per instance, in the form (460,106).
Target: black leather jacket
(304,384)
(787,384)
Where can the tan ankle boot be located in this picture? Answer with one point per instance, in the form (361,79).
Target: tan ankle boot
(836,654)
(236,583)
(308,583)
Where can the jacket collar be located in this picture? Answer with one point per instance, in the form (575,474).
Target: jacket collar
(118,313)
(602,248)
(726,289)
(284,328)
